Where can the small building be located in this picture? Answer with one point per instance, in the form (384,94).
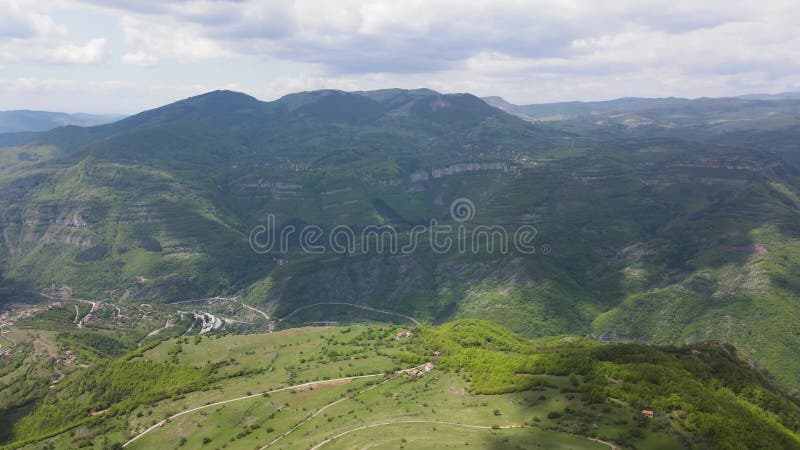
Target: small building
(64,289)
(436,353)
(415,373)
(402,334)
(648,413)
(429,366)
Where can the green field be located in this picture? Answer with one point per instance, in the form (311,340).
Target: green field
(344,387)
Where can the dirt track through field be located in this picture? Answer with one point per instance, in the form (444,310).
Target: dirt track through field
(297,386)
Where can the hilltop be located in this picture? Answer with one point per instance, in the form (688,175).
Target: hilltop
(464,383)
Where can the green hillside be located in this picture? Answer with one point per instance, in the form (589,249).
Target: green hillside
(337,387)
(642,236)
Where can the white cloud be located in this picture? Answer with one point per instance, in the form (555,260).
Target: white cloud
(55,51)
(29,34)
(140,59)
(19,20)
(93,51)
(167,38)
(415,36)
(536,50)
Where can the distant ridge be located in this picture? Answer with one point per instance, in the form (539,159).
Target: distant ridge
(779,96)
(654,109)
(17,121)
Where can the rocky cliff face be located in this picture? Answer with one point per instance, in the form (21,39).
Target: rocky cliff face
(421,176)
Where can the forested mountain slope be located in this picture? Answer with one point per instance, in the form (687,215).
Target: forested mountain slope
(645,236)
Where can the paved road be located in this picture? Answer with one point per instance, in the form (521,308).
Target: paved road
(194,300)
(354,305)
(167,324)
(95,307)
(266,316)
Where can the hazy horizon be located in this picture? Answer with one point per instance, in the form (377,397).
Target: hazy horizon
(129,113)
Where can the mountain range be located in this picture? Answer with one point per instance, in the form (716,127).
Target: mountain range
(662,221)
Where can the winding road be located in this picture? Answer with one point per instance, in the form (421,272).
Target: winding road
(353,305)
(321,410)
(266,316)
(95,307)
(211,405)
(168,324)
(329,405)
(441,422)
(79,323)
(194,300)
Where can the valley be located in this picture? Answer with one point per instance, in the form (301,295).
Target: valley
(664,277)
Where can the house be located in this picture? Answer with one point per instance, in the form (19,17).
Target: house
(436,353)
(415,373)
(64,289)
(429,366)
(647,413)
(402,334)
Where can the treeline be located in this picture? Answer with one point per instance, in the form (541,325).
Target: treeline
(120,384)
(116,387)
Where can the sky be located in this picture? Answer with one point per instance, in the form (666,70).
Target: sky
(124,56)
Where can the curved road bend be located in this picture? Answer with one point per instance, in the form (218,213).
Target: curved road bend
(311,383)
(438,422)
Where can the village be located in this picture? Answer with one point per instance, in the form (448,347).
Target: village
(11,314)
(421,371)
